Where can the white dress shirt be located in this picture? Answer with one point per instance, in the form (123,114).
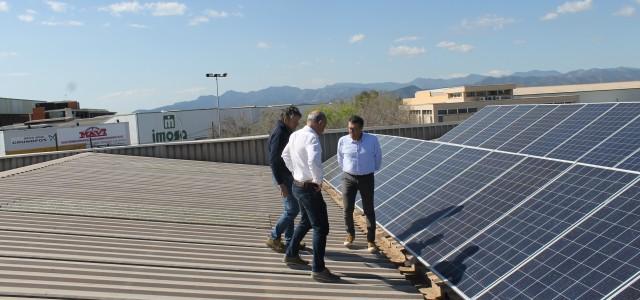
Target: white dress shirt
(303,156)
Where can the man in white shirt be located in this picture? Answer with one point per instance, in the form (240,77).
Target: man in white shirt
(303,157)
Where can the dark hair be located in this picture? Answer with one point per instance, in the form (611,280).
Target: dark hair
(290,112)
(355,119)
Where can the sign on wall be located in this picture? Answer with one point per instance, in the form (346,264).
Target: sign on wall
(101,135)
(29,140)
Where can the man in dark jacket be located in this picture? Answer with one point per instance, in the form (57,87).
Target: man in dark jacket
(278,139)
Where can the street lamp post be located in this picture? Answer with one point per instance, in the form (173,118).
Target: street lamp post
(216,76)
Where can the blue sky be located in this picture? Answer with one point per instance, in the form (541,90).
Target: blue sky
(127,55)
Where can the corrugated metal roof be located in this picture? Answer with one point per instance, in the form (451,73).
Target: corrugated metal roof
(99,226)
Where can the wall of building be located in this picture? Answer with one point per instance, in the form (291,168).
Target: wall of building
(244,150)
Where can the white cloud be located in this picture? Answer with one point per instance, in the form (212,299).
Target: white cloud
(356,38)
(28,18)
(406,39)
(405,51)
(123,7)
(4,7)
(626,11)
(570,7)
(457,75)
(216,14)
(160,9)
(197,20)
(57,6)
(8,54)
(487,21)
(70,23)
(498,73)
(452,46)
(31,11)
(15,74)
(138,26)
(263,45)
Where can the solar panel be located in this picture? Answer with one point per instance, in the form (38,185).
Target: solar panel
(539,128)
(497,113)
(544,216)
(487,211)
(484,207)
(497,126)
(468,124)
(589,262)
(592,135)
(523,122)
(617,147)
(571,125)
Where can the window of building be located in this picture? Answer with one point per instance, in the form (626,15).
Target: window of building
(440,118)
(462,110)
(481,94)
(453,111)
(427,112)
(493,93)
(455,95)
(472,110)
(442,112)
(471,94)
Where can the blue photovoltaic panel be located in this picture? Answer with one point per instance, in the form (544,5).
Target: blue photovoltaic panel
(467,124)
(499,112)
(589,262)
(393,169)
(482,209)
(631,163)
(566,129)
(392,150)
(630,293)
(598,131)
(411,190)
(516,127)
(539,128)
(616,148)
(537,222)
(445,200)
(436,178)
(491,130)
(423,162)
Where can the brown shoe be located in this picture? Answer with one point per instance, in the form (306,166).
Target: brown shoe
(371,247)
(277,245)
(325,276)
(295,260)
(348,241)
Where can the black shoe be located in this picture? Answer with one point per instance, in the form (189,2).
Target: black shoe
(276,245)
(325,276)
(301,246)
(295,260)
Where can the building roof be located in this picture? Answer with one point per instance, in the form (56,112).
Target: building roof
(573,88)
(123,227)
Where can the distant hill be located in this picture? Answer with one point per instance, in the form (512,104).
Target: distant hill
(294,95)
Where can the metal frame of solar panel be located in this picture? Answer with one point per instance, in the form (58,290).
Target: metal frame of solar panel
(520,201)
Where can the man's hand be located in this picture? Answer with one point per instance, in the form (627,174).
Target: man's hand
(318,187)
(283,190)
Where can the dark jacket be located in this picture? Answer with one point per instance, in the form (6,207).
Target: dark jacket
(277,141)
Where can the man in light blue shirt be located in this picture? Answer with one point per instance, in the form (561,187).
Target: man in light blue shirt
(359,156)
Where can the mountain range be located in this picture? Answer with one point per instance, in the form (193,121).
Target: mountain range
(294,95)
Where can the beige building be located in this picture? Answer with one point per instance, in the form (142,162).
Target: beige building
(458,103)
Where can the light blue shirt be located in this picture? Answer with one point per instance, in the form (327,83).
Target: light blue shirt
(360,157)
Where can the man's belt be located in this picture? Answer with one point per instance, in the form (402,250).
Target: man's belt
(305,184)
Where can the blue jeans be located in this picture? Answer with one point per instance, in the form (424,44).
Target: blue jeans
(291,210)
(314,215)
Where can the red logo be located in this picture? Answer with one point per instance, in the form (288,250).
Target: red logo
(92,132)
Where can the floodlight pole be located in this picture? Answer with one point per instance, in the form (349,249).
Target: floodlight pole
(216,76)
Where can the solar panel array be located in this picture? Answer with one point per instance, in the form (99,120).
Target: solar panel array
(520,201)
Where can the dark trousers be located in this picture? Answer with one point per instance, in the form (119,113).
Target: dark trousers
(313,215)
(351,184)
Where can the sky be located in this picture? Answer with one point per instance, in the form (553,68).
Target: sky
(128,55)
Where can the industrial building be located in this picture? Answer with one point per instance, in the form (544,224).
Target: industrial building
(458,103)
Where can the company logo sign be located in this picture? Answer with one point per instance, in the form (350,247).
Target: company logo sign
(93,132)
(169,121)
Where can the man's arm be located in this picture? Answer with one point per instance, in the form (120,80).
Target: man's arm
(339,153)
(314,157)
(377,154)
(275,160)
(286,156)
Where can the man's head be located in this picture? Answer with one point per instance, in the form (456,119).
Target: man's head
(317,120)
(355,125)
(290,116)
